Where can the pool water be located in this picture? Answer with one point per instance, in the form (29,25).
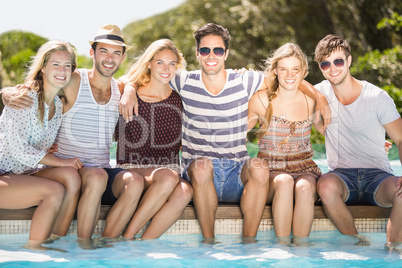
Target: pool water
(329,249)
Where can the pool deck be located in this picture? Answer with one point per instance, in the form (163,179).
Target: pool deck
(228,220)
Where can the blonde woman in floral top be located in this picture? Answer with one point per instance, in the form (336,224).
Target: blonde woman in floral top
(25,137)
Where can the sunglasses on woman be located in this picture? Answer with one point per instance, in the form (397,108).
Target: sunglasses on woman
(218,51)
(326,64)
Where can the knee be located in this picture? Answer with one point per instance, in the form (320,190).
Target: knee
(284,183)
(168,179)
(327,187)
(185,192)
(257,170)
(200,170)
(305,190)
(305,187)
(133,183)
(55,193)
(71,180)
(95,180)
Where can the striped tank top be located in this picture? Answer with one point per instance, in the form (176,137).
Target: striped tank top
(87,128)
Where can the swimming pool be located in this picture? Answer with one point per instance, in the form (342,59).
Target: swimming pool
(329,249)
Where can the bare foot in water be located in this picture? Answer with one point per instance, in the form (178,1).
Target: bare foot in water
(209,240)
(117,239)
(51,239)
(249,240)
(364,241)
(394,247)
(300,241)
(284,240)
(37,245)
(89,244)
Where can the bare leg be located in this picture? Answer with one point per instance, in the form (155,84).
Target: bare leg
(170,211)
(333,192)
(20,191)
(386,196)
(282,203)
(71,180)
(255,176)
(305,196)
(205,198)
(127,187)
(94,181)
(159,185)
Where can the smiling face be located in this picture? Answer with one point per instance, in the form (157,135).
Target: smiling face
(163,66)
(107,58)
(336,75)
(289,73)
(57,71)
(212,64)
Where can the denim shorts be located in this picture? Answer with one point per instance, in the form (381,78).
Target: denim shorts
(108,197)
(362,183)
(227,180)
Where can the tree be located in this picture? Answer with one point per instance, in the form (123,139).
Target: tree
(17,49)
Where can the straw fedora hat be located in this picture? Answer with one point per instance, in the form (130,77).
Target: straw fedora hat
(110,34)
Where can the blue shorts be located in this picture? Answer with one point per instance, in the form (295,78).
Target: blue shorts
(108,197)
(361,183)
(227,180)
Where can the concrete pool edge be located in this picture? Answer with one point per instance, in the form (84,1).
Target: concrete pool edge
(228,220)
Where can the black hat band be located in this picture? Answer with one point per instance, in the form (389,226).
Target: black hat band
(110,37)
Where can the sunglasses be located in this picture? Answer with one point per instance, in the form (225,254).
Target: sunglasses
(326,64)
(218,51)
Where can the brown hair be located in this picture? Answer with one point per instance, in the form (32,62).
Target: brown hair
(212,29)
(329,44)
(285,51)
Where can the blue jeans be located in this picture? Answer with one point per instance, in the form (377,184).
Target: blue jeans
(362,183)
(227,180)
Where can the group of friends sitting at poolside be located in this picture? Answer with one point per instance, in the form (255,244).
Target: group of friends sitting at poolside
(57,128)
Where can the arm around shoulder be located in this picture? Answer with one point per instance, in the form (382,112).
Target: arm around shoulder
(257,108)
(322,106)
(128,101)
(11,97)
(71,89)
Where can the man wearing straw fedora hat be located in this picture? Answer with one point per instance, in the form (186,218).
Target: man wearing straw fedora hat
(90,114)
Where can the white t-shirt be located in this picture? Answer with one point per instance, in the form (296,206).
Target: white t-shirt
(355,138)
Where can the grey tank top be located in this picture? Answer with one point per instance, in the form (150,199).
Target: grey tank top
(87,128)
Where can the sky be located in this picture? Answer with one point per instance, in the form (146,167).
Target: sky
(76,21)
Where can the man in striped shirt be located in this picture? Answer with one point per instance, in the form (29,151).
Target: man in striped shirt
(214,154)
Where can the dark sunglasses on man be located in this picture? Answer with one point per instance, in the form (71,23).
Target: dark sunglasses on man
(326,64)
(218,51)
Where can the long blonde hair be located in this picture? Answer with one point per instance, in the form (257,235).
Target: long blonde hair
(34,77)
(285,51)
(140,73)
